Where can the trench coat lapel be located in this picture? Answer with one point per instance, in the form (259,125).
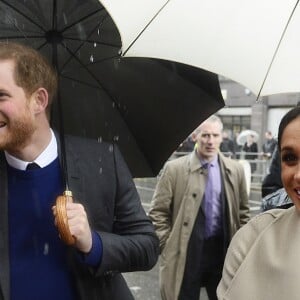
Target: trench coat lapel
(226,170)
(194,162)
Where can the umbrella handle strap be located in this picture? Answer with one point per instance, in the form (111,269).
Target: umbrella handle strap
(62,219)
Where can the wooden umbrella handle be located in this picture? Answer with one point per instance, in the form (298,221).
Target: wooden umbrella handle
(62,219)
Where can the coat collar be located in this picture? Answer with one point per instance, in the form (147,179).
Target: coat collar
(225,163)
(195,163)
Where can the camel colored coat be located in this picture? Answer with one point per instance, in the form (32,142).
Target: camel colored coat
(262,262)
(175,205)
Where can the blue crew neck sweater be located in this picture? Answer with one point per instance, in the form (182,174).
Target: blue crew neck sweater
(38,263)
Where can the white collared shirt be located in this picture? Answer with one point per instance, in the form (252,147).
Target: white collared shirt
(44,159)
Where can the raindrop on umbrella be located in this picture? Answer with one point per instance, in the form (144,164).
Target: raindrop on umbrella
(65,19)
(81,32)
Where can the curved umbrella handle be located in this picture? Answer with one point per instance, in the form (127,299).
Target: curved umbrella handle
(61,217)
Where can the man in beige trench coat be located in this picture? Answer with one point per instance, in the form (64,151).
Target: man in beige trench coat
(178,214)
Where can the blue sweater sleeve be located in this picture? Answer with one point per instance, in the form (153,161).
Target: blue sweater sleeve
(94,257)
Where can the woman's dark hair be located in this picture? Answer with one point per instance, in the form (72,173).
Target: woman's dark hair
(286,120)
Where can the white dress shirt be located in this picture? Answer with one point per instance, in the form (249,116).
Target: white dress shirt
(44,159)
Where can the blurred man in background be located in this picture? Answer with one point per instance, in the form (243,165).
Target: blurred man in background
(199,203)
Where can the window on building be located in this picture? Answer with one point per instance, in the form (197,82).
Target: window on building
(236,124)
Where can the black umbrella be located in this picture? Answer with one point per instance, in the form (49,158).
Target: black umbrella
(147,106)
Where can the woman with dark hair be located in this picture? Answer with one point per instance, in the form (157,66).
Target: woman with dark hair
(262,259)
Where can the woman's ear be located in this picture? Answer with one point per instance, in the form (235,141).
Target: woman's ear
(40,100)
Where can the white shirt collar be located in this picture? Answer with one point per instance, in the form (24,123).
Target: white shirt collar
(44,159)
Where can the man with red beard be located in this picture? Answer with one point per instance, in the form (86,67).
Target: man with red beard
(111,230)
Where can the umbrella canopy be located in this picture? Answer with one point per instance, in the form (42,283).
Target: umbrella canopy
(255,43)
(242,137)
(147,106)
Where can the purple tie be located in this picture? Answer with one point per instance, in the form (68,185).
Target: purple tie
(212,205)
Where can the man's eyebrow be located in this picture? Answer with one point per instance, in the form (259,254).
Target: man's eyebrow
(211,133)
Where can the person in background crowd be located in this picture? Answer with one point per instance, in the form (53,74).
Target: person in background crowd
(272,181)
(199,203)
(111,230)
(237,147)
(187,145)
(269,145)
(227,145)
(262,259)
(277,199)
(251,149)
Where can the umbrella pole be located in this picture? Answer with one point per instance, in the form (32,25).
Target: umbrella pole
(61,201)
(61,124)
(63,155)
(63,159)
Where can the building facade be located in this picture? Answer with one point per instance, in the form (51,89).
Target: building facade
(244,111)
